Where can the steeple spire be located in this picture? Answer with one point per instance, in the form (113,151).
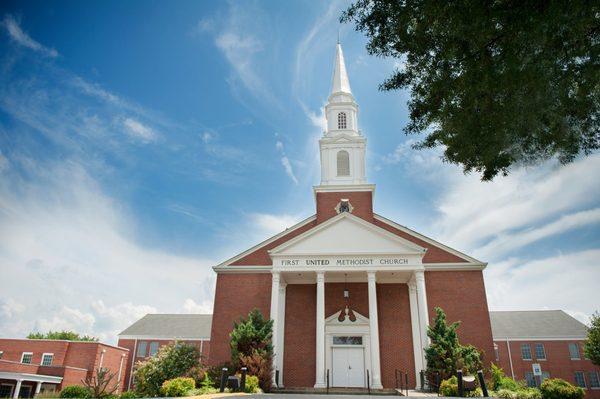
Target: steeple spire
(340,76)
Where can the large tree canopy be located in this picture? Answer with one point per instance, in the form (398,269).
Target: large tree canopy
(496,83)
(66,335)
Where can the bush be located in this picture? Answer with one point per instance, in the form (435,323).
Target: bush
(214,373)
(128,395)
(252,384)
(177,387)
(261,366)
(449,387)
(555,388)
(75,391)
(171,361)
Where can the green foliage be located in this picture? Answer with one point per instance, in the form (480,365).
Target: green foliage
(75,391)
(521,393)
(251,347)
(445,355)
(449,387)
(555,388)
(177,387)
(252,384)
(128,395)
(250,335)
(207,385)
(497,374)
(171,361)
(64,335)
(214,373)
(494,83)
(592,344)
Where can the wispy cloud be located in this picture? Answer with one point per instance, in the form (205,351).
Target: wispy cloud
(138,130)
(285,161)
(20,37)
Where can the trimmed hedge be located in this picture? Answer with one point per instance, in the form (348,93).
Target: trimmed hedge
(555,388)
(75,391)
(177,386)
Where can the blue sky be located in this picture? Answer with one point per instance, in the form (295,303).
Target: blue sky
(143,142)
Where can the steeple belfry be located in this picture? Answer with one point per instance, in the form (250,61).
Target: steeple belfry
(342,145)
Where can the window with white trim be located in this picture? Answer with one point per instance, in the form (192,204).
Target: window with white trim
(6,390)
(594,379)
(27,357)
(141,349)
(47,359)
(343,340)
(574,351)
(526,351)
(530,379)
(343,163)
(580,379)
(540,352)
(1,353)
(153,348)
(342,120)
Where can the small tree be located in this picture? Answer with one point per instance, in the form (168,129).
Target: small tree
(251,347)
(445,355)
(101,385)
(175,360)
(592,344)
(65,335)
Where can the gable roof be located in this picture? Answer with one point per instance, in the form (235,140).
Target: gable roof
(170,326)
(536,324)
(347,226)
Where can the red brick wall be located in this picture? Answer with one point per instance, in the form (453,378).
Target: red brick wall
(395,333)
(558,361)
(235,296)
(461,294)
(14,348)
(361,201)
(335,301)
(299,361)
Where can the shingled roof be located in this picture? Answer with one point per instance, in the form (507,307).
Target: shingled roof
(169,326)
(536,324)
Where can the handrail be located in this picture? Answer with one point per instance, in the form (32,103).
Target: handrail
(327,381)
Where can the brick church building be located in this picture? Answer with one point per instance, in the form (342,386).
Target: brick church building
(350,292)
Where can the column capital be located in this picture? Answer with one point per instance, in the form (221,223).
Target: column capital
(320,277)
(276,276)
(372,276)
(412,286)
(419,275)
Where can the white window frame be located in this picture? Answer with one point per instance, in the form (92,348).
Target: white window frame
(530,353)
(152,343)
(594,372)
(536,352)
(23,357)
(578,351)
(51,359)
(584,381)
(12,388)
(145,353)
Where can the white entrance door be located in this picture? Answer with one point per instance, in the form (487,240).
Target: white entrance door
(348,366)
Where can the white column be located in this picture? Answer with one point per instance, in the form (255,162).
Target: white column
(416,330)
(17,389)
(38,387)
(274,317)
(281,329)
(320,360)
(374,332)
(423,312)
(121,370)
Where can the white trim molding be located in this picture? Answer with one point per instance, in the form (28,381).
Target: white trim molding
(23,357)
(51,360)
(162,338)
(250,269)
(50,379)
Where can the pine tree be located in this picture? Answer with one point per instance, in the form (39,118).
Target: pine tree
(445,355)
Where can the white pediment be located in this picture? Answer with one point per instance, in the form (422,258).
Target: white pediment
(346,234)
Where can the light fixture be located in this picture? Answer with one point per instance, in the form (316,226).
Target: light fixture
(346,291)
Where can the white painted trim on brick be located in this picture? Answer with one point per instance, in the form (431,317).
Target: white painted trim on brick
(42,359)
(267,241)
(50,379)
(452,267)
(503,339)
(416,249)
(23,356)
(64,340)
(162,338)
(428,240)
(242,269)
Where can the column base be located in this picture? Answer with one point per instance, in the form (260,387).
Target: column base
(376,386)
(320,385)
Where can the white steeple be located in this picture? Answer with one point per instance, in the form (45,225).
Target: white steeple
(342,145)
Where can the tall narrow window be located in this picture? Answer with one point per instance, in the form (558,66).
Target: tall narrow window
(342,120)
(540,353)
(343,163)
(153,348)
(526,352)
(574,351)
(594,380)
(47,359)
(580,379)
(141,350)
(26,357)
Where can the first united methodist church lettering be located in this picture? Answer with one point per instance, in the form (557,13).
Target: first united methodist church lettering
(350,292)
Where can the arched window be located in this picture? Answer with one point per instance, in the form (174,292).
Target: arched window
(343,163)
(342,120)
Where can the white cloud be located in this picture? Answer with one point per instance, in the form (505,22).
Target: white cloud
(68,240)
(285,161)
(563,281)
(138,130)
(17,34)
(191,306)
(267,225)
(207,137)
(204,25)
